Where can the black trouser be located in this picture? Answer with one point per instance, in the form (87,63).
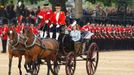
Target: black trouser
(4,45)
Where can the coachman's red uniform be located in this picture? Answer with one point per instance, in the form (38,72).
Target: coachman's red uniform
(46,15)
(58,18)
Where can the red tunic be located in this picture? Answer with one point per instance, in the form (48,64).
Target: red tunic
(86,28)
(20,19)
(34,30)
(0,30)
(61,20)
(19,28)
(5,31)
(46,15)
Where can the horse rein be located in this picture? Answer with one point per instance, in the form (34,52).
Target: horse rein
(28,46)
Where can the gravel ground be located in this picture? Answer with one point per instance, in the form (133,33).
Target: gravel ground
(110,63)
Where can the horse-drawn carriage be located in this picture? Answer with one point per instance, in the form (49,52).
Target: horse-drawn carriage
(68,55)
(55,53)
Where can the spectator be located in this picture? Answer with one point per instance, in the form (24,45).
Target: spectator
(75,33)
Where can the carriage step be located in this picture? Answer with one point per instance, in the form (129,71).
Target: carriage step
(81,59)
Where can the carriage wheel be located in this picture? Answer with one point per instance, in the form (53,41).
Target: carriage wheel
(92,59)
(70,63)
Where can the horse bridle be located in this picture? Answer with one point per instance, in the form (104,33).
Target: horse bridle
(18,38)
(28,46)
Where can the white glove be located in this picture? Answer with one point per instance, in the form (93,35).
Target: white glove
(46,21)
(51,25)
(40,17)
(21,31)
(58,26)
(11,32)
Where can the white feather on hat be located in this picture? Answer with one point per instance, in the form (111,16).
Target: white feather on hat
(74,23)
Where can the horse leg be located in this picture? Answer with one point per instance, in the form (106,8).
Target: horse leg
(27,66)
(48,67)
(28,63)
(35,67)
(38,65)
(19,65)
(10,64)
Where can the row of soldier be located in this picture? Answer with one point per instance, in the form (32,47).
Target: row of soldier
(106,36)
(111,36)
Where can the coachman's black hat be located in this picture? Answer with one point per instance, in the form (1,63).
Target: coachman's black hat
(46,4)
(58,5)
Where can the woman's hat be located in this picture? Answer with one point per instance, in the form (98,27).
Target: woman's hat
(74,23)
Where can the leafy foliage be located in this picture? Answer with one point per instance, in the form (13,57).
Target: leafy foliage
(110,2)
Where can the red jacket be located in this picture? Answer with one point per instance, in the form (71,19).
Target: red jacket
(19,28)
(86,28)
(0,30)
(5,33)
(61,20)
(46,15)
(34,30)
(20,19)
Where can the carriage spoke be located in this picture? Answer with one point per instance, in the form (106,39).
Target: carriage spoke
(92,59)
(70,63)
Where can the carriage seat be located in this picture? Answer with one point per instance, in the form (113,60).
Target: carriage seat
(78,47)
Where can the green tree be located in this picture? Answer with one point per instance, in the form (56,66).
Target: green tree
(78,9)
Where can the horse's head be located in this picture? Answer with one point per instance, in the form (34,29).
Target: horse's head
(13,36)
(28,33)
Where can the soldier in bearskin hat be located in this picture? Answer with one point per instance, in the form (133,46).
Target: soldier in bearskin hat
(33,28)
(4,35)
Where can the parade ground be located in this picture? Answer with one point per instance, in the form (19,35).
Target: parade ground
(110,63)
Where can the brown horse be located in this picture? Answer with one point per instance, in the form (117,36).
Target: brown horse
(36,48)
(15,49)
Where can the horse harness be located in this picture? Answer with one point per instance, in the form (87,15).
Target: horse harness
(14,45)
